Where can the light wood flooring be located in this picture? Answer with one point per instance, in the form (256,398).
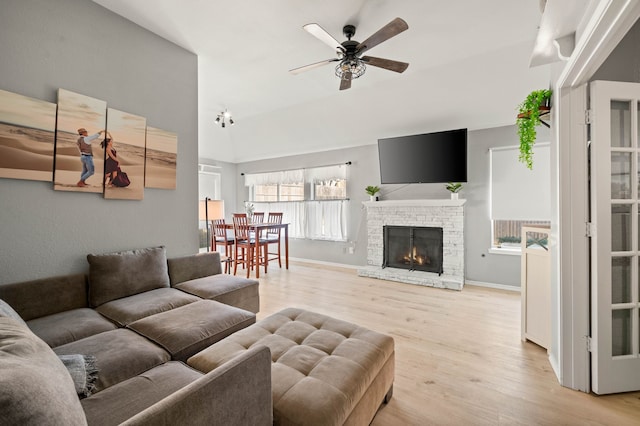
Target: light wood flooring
(459,357)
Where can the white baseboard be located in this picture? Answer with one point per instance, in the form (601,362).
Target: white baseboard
(321,262)
(493,285)
(467,282)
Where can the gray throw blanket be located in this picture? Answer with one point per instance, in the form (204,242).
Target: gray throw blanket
(83,371)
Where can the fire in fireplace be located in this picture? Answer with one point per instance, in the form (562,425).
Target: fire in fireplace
(413,247)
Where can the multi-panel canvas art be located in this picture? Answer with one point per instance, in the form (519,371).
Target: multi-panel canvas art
(127,150)
(80,151)
(27,135)
(161,159)
(79,167)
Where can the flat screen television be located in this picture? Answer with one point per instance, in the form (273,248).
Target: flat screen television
(428,158)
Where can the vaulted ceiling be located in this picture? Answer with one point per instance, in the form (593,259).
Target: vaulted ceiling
(469,67)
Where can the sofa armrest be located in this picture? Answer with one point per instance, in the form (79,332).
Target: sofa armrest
(195,266)
(236,393)
(46,296)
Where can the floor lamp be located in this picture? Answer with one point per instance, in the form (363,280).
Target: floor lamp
(208,211)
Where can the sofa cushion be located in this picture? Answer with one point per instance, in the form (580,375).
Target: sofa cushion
(116,275)
(187,330)
(7,311)
(195,266)
(129,309)
(120,354)
(35,388)
(126,399)
(235,291)
(65,327)
(46,296)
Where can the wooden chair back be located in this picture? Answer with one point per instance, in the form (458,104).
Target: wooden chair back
(241,226)
(257,217)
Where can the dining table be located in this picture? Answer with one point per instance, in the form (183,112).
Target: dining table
(257,228)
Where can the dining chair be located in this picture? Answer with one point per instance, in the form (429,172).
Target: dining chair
(221,237)
(273,237)
(257,217)
(249,245)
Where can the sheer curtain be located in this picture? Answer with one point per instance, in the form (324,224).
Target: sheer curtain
(318,220)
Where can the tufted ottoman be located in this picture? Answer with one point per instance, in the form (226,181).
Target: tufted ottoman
(324,371)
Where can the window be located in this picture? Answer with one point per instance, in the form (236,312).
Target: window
(519,196)
(313,201)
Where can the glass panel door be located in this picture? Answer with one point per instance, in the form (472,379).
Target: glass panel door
(615,241)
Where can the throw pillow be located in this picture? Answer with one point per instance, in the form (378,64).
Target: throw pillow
(117,275)
(35,388)
(83,372)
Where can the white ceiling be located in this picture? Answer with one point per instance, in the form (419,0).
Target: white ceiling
(469,67)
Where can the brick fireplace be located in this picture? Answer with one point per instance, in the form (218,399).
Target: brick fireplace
(445,214)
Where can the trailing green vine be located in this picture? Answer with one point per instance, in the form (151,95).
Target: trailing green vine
(528,119)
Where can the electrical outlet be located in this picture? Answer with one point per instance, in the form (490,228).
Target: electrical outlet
(351,249)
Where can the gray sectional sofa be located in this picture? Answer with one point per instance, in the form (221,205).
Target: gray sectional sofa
(137,316)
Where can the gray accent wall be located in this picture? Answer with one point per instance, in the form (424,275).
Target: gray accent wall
(80,46)
(481,266)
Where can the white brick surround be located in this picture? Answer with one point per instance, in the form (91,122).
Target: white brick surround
(445,214)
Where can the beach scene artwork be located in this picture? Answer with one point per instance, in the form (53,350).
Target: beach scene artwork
(161,159)
(128,132)
(77,111)
(27,137)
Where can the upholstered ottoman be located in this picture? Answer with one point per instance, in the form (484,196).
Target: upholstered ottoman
(324,371)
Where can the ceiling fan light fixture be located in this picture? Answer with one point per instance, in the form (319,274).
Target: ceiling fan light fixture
(348,69)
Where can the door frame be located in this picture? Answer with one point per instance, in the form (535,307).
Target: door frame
(610,20)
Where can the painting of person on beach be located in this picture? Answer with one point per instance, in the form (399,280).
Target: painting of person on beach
(27,136)
(79,164)
(129,133)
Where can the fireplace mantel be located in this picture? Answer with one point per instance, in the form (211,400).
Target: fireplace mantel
(445,213)
(393,203)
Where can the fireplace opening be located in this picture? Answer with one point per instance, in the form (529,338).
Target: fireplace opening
(413,247)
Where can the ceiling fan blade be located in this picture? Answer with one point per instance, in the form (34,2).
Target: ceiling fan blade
(318,32)
(387,64)
(311,66)
(392,29)
(345,83)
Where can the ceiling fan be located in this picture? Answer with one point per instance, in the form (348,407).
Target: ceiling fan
(351,63)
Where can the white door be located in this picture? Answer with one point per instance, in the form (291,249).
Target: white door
(615,252)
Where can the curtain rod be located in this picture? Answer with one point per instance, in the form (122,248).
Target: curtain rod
(348,163)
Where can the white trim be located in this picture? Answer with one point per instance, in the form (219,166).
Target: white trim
(506,251)
(321,262)
(513,288)
(605,27)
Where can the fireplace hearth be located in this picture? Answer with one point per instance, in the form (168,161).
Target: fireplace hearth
(416,248)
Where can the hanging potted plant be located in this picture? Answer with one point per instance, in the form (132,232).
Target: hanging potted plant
(528,118)
(372,191)
(454,188)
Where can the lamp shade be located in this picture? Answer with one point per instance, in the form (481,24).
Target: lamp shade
(211,209)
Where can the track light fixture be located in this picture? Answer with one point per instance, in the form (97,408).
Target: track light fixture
(223,117)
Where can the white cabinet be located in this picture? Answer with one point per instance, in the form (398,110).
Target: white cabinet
(536,285)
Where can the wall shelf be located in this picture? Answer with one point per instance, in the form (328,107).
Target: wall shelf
(545,115)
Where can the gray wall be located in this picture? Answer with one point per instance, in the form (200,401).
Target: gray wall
(481,266)
(80,46)
(623,64)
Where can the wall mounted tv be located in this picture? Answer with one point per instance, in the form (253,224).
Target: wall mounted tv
(428,158)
